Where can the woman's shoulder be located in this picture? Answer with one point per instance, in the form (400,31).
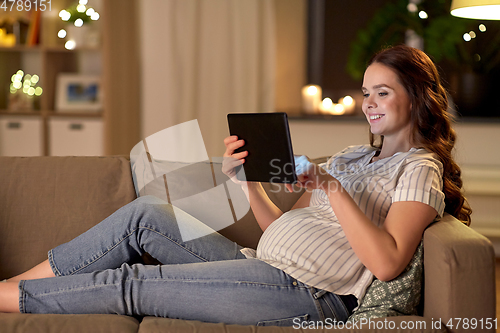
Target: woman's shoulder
(420,157)
(351,153)
(366,148)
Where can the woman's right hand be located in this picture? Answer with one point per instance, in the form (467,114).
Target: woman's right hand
(231,160)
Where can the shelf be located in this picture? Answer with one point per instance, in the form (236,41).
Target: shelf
(21,48)
(46,113)
(76,114)
(20,113)
(50,59)
(41,48)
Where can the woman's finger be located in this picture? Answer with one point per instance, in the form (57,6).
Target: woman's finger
(230,163)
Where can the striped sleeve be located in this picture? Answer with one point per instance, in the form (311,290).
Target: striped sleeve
(422,183)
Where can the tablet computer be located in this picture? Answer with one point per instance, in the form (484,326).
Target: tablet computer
(267,140)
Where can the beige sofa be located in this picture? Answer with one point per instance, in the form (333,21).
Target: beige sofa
(45,201)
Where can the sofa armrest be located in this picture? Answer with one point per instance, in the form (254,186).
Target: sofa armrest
(459,269)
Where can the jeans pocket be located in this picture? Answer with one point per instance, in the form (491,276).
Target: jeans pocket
(291,321)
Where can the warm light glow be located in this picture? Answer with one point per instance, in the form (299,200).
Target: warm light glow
(27,86)
(327,103)
(311,98)
(347,101)
(90,11)
(476,9)
(61,33)
(466,37)
(423,15)
(78,23)
(83,2)
(482,28)
(412,8)
(81,8)
(64,15)
(339,109)
(95,16)
(17,78)
(70,45)
(312,90)
(472,34)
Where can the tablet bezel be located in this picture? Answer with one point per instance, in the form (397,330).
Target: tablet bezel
(269,145)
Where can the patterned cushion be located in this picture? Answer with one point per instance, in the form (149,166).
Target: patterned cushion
(398,297)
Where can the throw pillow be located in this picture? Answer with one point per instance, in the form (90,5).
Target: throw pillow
(398,297)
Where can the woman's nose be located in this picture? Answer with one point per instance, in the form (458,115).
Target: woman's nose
(369,102)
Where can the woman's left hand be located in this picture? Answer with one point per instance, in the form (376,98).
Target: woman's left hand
(314,177)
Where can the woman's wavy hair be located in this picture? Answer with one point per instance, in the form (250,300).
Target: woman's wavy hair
(430,119)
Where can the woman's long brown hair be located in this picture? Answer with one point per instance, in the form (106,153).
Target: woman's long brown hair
(430,119)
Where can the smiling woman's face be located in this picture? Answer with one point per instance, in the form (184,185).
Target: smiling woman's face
(386,103)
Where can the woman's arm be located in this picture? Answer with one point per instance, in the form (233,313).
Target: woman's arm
(385,250)
(264,210)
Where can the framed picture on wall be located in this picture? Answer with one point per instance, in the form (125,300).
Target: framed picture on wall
(77,92)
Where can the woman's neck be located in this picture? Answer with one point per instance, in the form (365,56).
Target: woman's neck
(389,148)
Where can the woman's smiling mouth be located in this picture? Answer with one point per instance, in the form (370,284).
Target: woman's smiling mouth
(376,116)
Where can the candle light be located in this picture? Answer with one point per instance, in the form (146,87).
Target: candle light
(328,107)
(311,98)
(349,103)
(338,109)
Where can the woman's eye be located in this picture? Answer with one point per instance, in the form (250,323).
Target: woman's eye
(366,95)
(382,93)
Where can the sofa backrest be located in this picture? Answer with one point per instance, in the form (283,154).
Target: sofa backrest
(46,201)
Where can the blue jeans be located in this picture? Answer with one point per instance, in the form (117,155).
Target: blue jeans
(206,279)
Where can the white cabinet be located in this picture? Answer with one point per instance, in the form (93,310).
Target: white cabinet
(21,136)
(75,137)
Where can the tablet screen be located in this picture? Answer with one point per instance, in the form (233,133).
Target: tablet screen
(267,140)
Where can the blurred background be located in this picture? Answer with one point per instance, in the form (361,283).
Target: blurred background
(94,77)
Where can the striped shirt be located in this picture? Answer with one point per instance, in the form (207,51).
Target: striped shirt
(309,243)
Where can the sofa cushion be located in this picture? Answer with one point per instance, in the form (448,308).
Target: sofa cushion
(46,201)
(22,323)
(459,272)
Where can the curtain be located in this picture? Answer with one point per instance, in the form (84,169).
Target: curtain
(203,59)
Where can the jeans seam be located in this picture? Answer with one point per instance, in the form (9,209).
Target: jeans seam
(53,264)
(22,296)
(175,242)
(210,280)
(129,279)
(128,236)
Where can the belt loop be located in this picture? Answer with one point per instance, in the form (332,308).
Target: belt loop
(319,293)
